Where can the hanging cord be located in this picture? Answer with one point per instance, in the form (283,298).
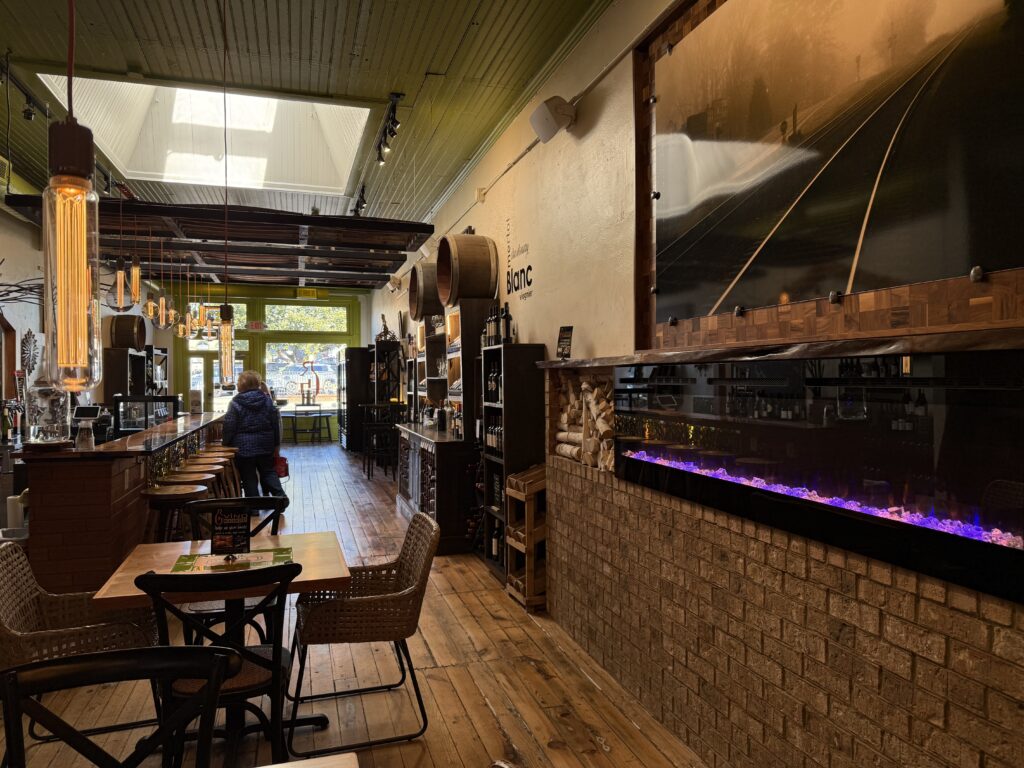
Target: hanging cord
(71,57)
(224,33)
(7,86)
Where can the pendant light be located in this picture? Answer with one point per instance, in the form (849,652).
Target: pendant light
(71,249)
(119,297)
(163,315)
(180,326)
(150,308)
(227,312)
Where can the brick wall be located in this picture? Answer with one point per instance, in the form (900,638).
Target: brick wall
(760,648)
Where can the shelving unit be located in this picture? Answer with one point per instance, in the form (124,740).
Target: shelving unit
(354,390)
(386,372)
(124,373)
(520,390)
(156,370)
(526,537)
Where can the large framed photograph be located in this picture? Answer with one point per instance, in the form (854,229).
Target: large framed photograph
(805,147)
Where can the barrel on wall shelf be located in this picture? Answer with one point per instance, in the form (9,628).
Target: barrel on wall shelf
(467,268)
(127,331)
(423,298)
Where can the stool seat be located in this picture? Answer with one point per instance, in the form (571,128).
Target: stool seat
(221,448)
(210,459)
(175,492)
(185,478)
(191,465)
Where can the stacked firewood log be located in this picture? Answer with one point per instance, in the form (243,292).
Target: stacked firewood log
(586,422)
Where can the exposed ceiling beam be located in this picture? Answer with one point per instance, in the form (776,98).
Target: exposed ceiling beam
(384,259)
(153,268)
(173,226)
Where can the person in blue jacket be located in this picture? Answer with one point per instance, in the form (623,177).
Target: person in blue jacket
(253,425)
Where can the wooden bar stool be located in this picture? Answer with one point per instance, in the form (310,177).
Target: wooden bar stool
(221,487)
(196,478)
(165,506)
(231,476)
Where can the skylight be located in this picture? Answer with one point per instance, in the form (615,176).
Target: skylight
(176,135)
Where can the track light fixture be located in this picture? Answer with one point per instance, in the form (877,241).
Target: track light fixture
(357,209)
(389,128)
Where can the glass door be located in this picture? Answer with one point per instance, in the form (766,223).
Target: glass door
(204,373)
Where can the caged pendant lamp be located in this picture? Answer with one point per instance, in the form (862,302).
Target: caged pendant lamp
(71,249)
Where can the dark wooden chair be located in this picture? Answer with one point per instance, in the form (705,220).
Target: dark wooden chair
(22,689)
(36,625)
(200,517)
(266,667)
(381,604)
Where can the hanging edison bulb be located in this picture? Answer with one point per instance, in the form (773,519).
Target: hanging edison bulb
(135,281)
(173,315)
(150,307)
(162,319)
(227,346)
(71,259)
(181,328)
(119,295)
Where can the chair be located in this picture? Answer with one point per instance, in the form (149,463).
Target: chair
(319,419)
(381,604)
(200,515)
(266,668)
(22,689)
(36,625)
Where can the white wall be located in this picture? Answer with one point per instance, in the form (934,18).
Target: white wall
(570,201)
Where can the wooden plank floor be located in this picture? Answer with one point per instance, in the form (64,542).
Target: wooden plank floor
(498,683)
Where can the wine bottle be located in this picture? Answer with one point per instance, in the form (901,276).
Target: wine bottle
(506,325)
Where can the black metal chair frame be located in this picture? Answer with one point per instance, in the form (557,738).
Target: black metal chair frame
(272,582)
(22,688)
(405,665)
(196,510)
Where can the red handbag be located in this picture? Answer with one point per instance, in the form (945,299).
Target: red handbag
(281,466)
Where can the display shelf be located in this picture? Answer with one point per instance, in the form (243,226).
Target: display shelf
(521,440)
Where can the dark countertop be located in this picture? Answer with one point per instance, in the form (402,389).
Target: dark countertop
(141,444)
(428,433)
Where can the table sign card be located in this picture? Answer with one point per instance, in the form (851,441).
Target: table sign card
(564,342)
(230,534)
(260,558)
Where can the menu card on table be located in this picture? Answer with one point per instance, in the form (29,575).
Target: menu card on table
(260,558)
(230,534)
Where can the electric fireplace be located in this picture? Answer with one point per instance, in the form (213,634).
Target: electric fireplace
(915,459)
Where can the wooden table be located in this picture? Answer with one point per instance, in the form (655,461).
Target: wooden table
(323,567)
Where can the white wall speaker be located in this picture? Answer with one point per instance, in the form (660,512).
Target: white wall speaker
(551,116)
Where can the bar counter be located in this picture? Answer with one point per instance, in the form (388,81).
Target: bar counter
(86,508)
(435,476)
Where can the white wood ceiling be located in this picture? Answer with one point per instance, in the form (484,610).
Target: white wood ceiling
(466,67)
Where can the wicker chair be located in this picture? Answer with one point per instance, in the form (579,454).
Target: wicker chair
(381,604)
(36,625)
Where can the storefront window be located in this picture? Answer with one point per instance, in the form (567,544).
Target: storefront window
(303,317)
(294,367)
(202,344)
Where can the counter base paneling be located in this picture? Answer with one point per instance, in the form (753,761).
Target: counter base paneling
(435,476)
(86,508)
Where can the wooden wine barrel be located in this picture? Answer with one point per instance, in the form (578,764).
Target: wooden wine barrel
(423,299)
(467,268)
(127,331)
